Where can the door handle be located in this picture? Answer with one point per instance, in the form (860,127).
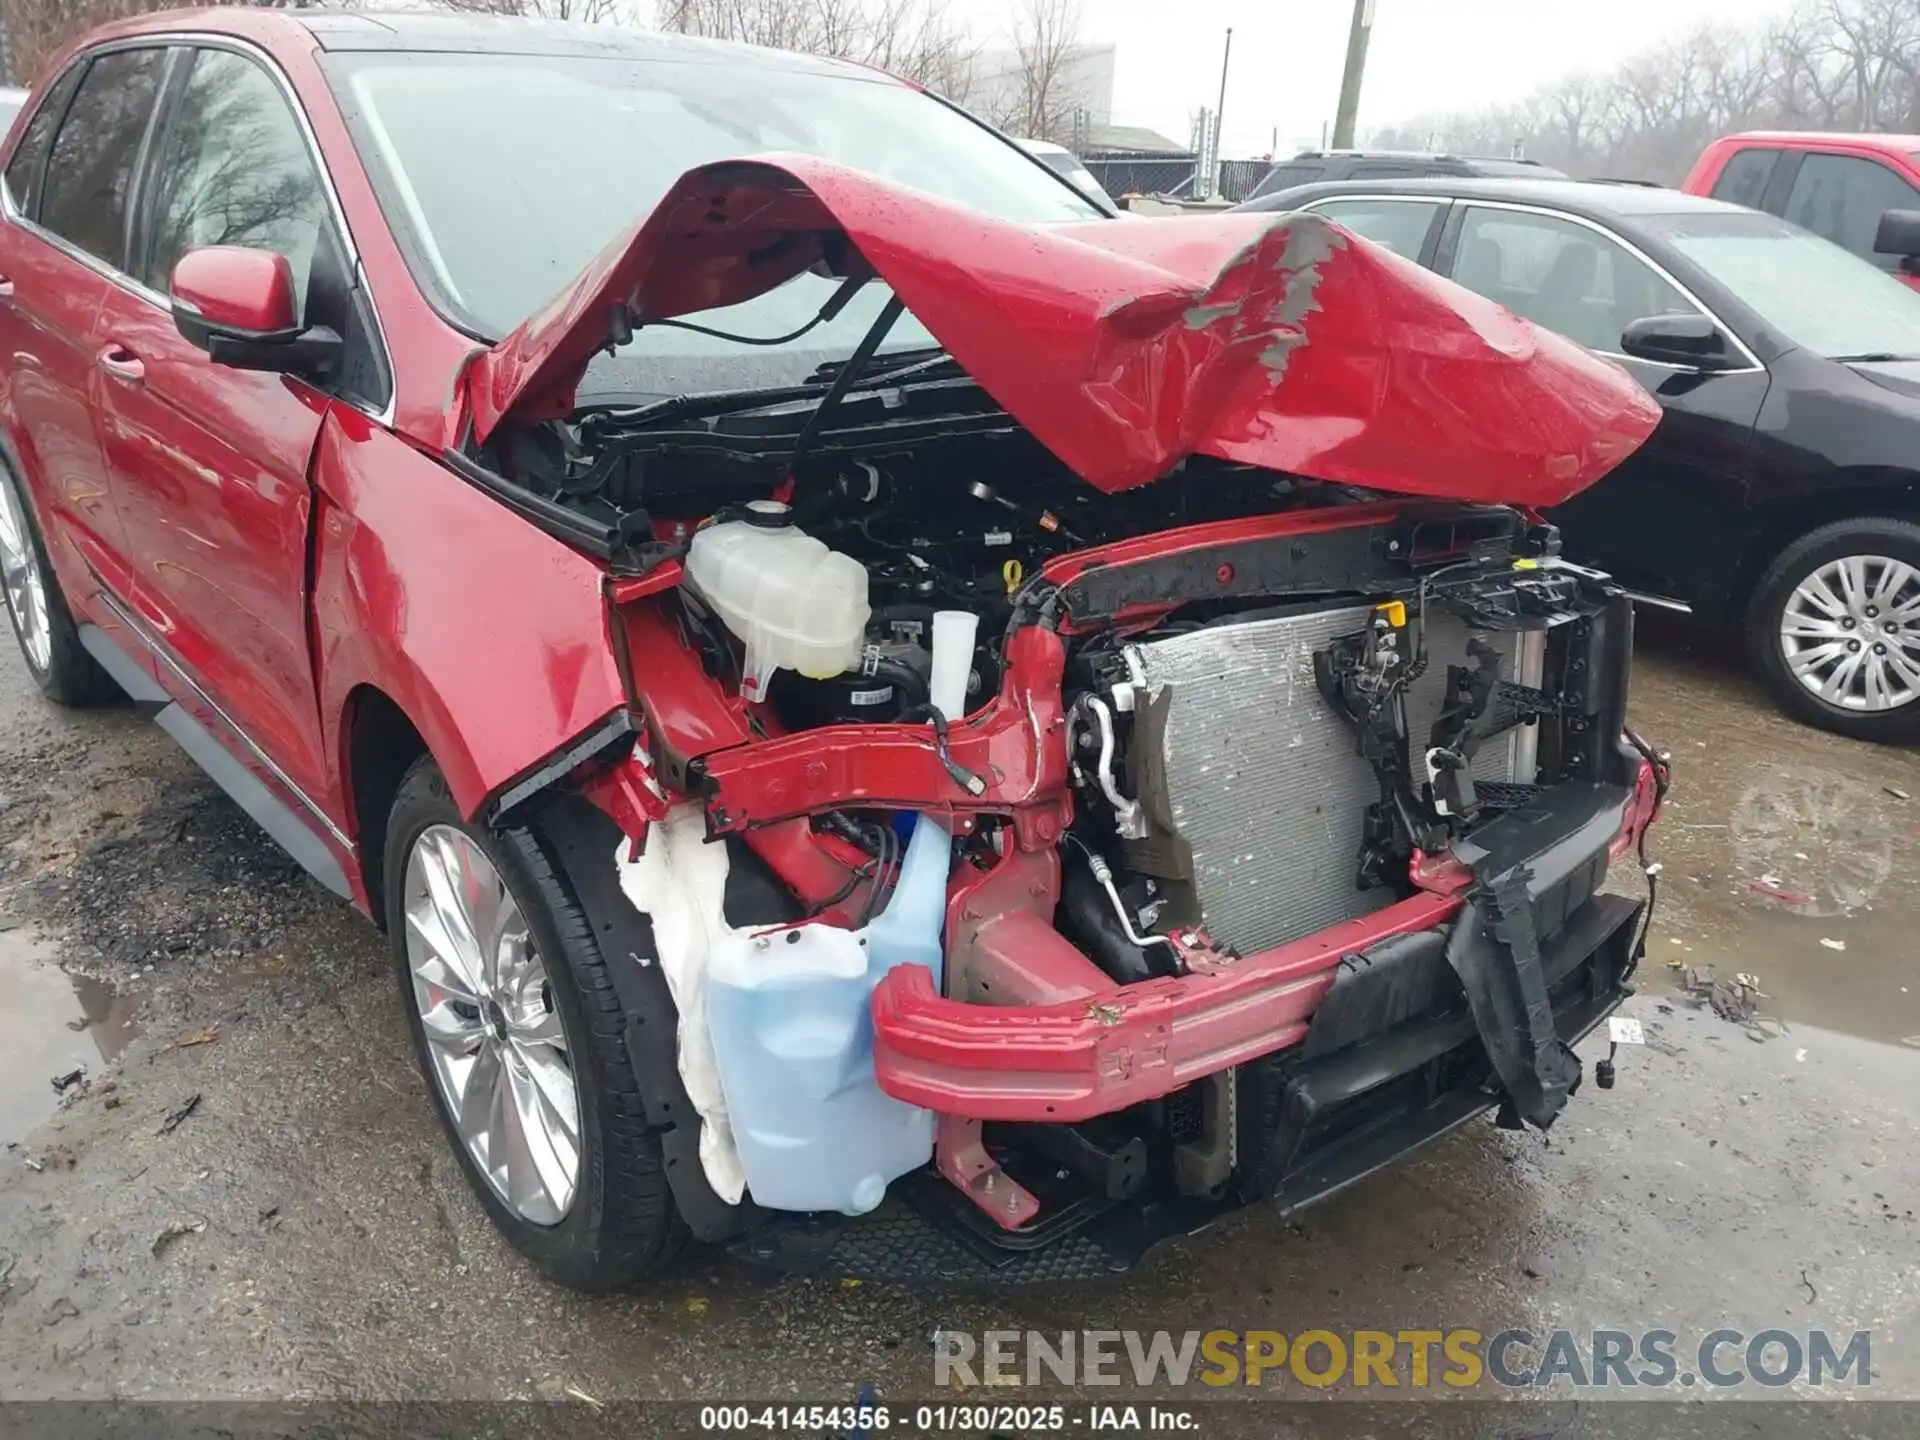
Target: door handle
(6,287)
(123,365)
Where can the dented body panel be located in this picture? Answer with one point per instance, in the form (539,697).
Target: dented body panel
(1124,347)
(409,600)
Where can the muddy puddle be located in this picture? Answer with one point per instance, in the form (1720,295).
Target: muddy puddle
(1804,886)
(1787,854)
(51,1024)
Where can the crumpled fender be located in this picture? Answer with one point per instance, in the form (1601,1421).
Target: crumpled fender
(487,633)
(1278,340)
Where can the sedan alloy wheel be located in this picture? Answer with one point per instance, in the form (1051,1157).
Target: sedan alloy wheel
(1850,633)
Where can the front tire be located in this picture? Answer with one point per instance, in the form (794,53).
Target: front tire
(520,1035)
(1835,629)
(49,639)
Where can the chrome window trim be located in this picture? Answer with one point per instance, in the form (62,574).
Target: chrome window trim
(1436,201)
(350,251)
(1753,364)
(137,627)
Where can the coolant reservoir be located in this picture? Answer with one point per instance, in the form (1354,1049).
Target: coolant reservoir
(794,603)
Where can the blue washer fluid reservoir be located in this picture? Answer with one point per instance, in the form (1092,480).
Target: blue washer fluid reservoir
(793,1037)
(789,1013)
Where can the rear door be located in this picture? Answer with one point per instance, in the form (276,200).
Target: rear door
(68,187)
(1646,521)
(209,464)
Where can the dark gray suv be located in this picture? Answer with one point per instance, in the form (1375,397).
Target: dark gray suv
(1310,167)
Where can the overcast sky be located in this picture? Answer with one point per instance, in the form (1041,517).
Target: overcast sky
(1426,55)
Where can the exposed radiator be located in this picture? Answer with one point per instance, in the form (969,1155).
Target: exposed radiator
(1263,782)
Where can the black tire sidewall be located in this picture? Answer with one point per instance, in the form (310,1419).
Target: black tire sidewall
(1898,539)
(568,1252)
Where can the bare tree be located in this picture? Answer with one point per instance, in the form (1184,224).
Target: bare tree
(1046,89)
(35,29)
(546,9)
(1827,65)
(38,28)
(910,38)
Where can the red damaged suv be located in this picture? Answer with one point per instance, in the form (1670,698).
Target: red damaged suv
(894,721)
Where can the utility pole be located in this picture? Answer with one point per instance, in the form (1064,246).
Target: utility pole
(1349,111)
(1220,110)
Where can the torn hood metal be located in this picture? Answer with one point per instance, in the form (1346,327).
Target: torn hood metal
(1278,340)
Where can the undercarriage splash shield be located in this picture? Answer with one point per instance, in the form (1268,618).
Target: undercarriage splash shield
(1255,787)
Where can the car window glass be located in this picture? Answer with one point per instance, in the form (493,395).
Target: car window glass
(1842,198)
(1744,181)
(1561,275)
(1284,177)
(90,170)
(1385,170)
(1400,225)
(234,169)
(23,169)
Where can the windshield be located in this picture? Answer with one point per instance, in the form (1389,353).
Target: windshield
(503,175)
(9,107)
(1819,296)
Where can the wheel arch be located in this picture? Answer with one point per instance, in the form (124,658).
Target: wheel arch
(379,743)
(1859,494)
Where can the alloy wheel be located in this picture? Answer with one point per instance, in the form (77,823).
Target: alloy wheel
(1850,633)
(26,586)
(495,1042)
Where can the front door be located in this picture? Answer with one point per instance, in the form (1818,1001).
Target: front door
(1842,198)
(209,464)
(1648,521)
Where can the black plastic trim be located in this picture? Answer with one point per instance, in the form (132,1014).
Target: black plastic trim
(523,787)
(1361,559)
(568,526)
(280,820)
(123,669)
(588,841)
(250,793)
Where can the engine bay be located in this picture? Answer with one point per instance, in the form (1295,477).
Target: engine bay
(1427,679)
(1190,725)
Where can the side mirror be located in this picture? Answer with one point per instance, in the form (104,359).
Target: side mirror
(1690,340)
(1899,234)
(237,305)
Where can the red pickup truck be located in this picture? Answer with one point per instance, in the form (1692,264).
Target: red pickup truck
(1860,191)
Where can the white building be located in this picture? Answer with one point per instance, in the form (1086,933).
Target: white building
(1083,95)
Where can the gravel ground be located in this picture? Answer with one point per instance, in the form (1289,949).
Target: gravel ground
(302,1231)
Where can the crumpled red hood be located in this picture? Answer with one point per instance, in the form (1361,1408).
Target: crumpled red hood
(1278,340)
